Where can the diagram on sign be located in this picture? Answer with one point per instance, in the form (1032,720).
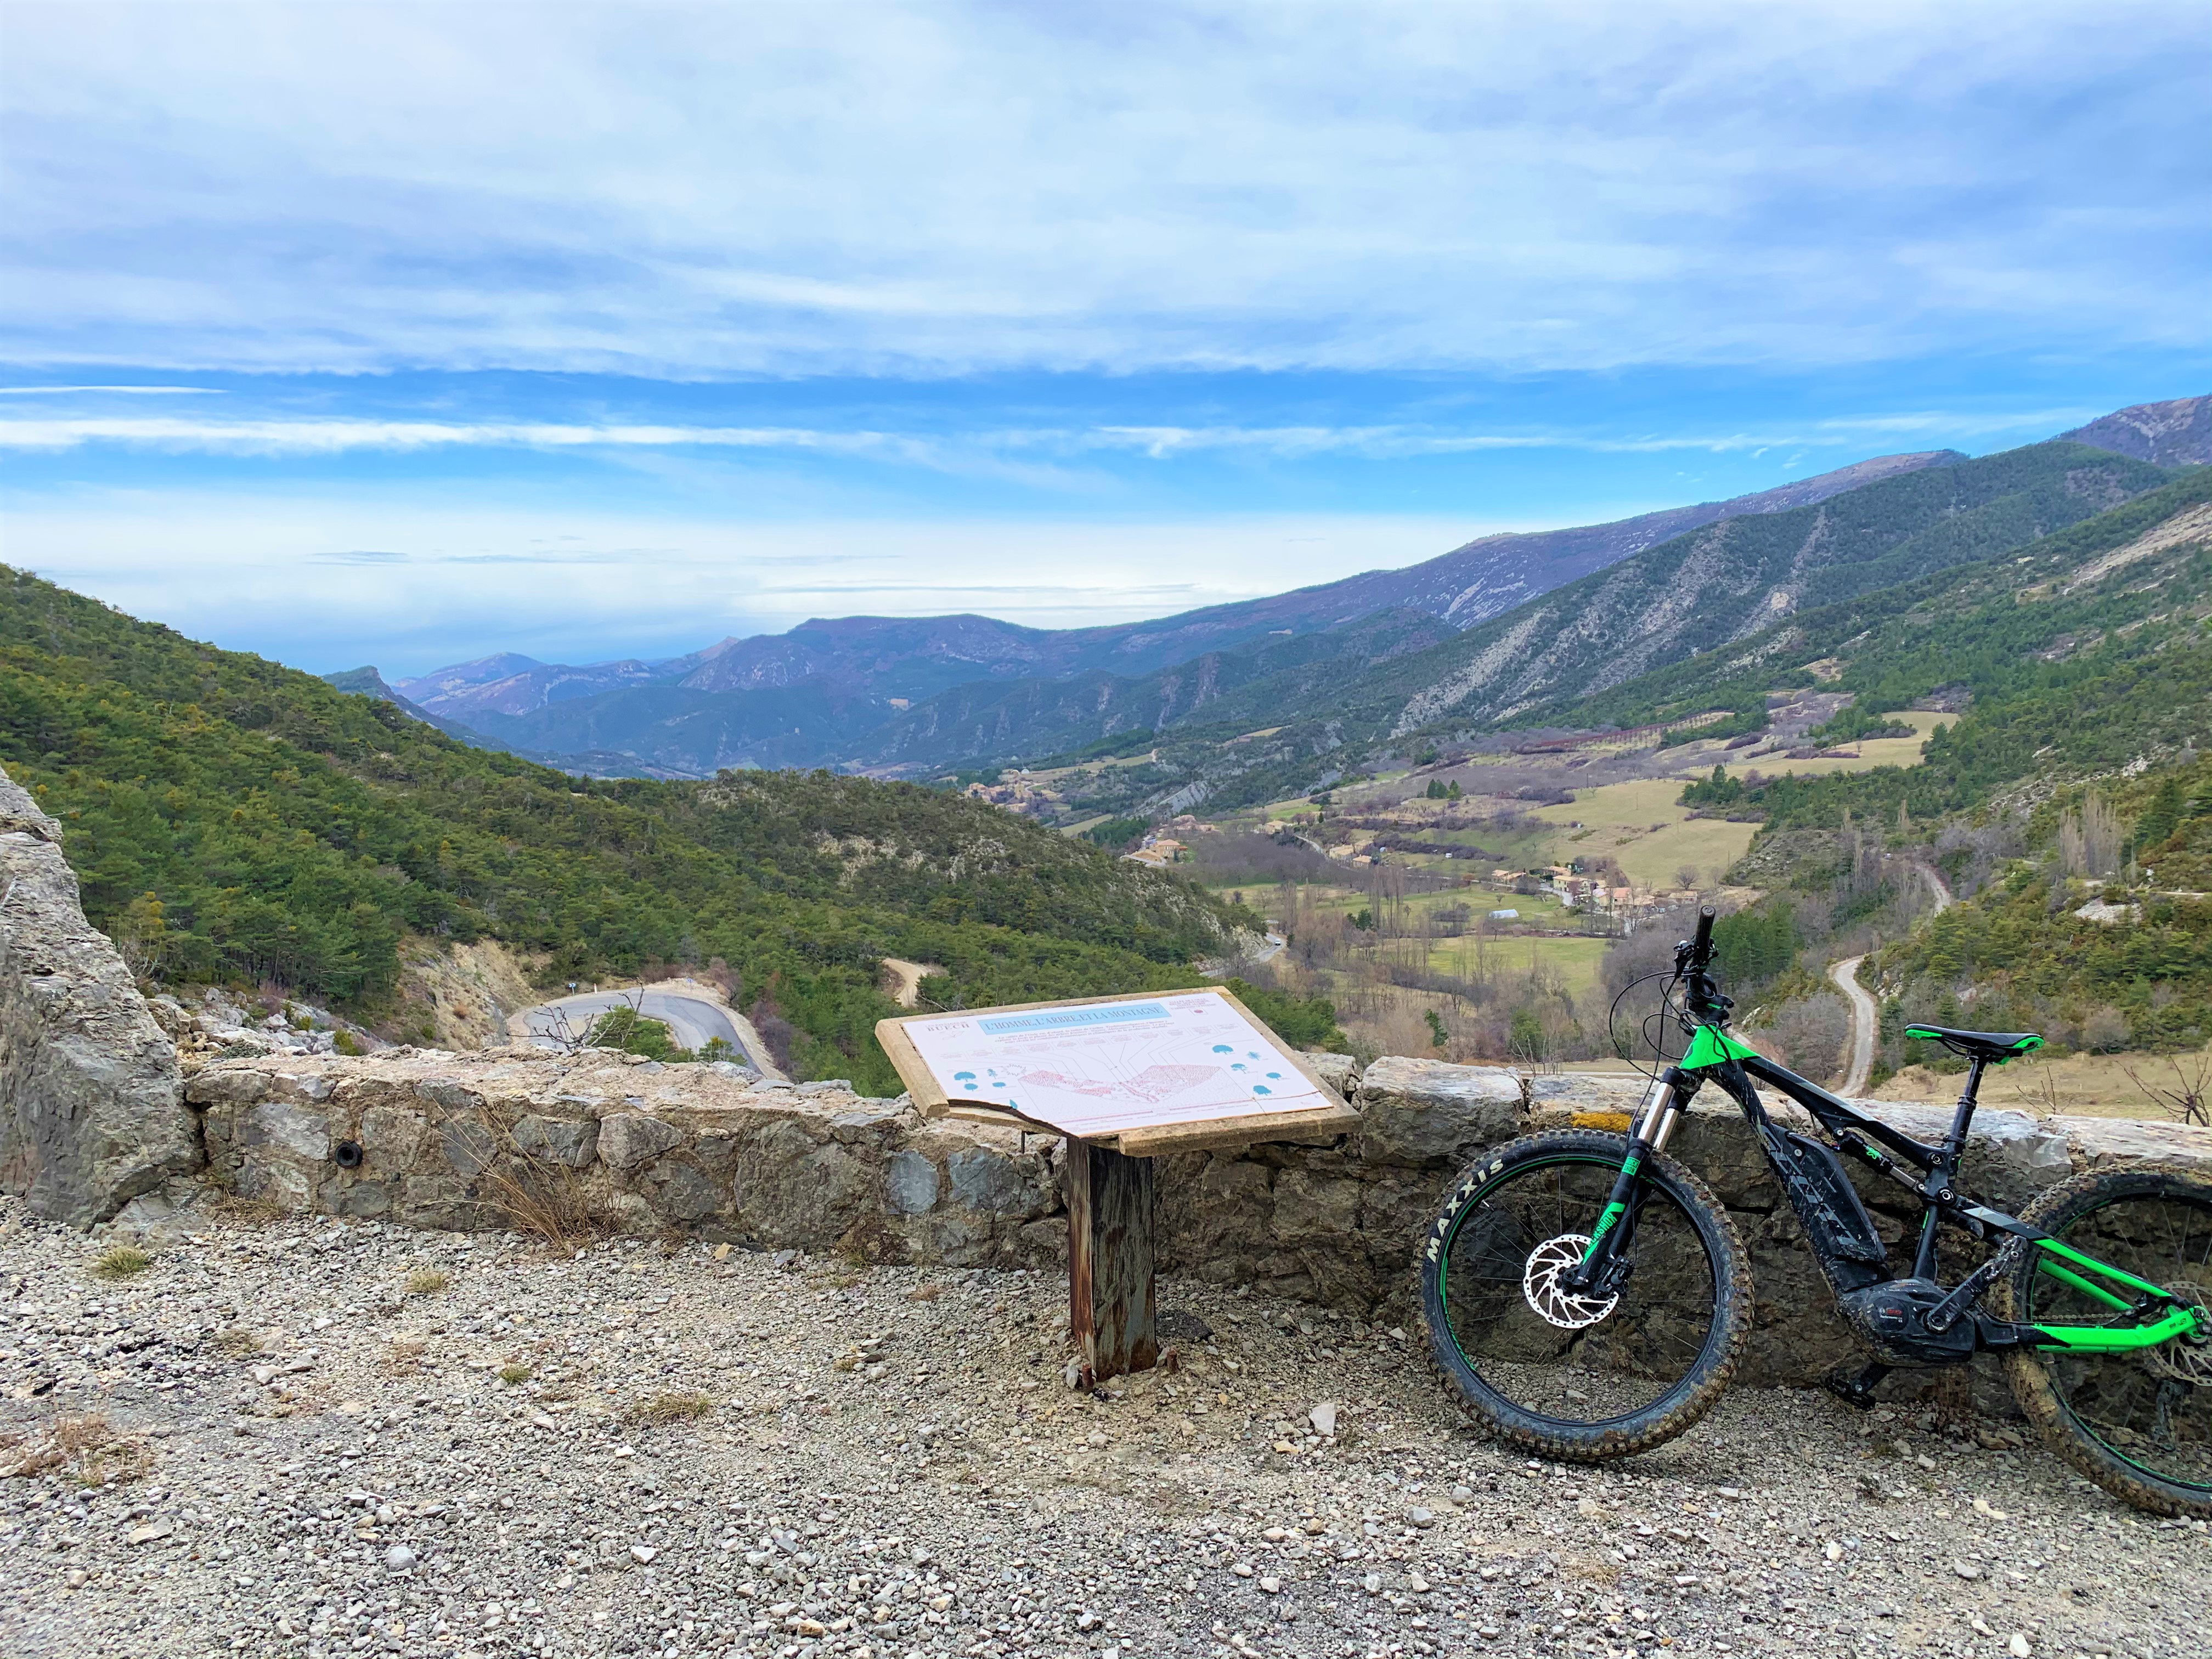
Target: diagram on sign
(1101,1068)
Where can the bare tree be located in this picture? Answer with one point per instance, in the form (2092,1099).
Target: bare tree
(2089,840)
(2185,1099)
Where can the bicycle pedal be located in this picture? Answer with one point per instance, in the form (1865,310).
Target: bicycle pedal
(1857,1391)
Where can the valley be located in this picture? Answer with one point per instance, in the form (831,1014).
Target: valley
(1396,833)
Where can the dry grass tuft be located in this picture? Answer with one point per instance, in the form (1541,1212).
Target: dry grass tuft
(541,1196)
(121,1261)
(86,1449)
(669,1408)
(427,1281)
(925,1294)
(515,1371)
(239,1212)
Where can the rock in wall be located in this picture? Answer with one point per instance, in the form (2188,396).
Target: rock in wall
(91,1101)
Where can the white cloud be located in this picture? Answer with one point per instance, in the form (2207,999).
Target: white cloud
(730,189)
(284,437)
(128,391)
(327,584)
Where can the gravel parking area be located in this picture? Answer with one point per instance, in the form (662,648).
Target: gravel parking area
(304,1438)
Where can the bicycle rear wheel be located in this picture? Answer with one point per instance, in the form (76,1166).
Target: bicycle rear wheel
(2138,1424)
(1570,1376)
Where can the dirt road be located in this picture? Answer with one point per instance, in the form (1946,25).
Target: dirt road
(1864,1018)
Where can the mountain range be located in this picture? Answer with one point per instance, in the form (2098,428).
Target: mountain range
(1492,631)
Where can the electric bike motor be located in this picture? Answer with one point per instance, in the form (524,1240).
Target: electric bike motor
(1891,1318)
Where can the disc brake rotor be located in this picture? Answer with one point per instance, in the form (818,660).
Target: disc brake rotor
(2184,1362)
(1552,1302)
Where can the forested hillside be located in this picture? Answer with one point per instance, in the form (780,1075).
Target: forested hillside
(232,818)
(2084,651)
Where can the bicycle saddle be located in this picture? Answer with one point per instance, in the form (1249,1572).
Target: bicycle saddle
(1995,1046)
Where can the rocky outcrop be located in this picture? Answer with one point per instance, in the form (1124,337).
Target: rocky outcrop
(91,1107)
(433,1140)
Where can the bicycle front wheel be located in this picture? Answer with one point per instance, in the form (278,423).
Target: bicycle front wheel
(2139,1423)
(1575,1376)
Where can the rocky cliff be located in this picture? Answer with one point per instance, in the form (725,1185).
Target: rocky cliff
(91,1099)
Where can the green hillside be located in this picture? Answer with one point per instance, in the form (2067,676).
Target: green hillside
(2067,677)
(289,831)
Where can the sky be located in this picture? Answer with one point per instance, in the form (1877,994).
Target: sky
(403,334)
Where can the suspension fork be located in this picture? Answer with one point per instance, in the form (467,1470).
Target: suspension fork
(1649,1133)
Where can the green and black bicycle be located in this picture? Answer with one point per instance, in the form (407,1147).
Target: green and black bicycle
(1586,1297)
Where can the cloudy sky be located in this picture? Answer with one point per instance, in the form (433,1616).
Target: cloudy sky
(404,333)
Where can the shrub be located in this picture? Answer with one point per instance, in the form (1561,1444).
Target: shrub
(675,1407)
(121,1261)
(2105,1030)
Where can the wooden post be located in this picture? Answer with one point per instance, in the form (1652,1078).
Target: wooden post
(1110,1260)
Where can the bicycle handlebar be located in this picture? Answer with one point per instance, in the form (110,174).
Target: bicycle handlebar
(1691,958)
(1701,947)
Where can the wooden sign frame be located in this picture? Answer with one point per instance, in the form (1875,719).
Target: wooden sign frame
(1323,1123)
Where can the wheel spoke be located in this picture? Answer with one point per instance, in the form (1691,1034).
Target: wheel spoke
(1579,1359)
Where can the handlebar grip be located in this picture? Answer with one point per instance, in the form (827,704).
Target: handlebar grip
(1701,948)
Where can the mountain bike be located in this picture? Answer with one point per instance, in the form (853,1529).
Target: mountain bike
(1587,1298)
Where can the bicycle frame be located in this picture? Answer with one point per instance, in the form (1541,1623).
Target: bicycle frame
(2152,1315)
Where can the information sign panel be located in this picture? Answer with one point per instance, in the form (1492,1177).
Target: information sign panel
(1160,1069)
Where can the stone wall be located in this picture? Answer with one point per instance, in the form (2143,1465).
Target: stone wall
(448,1141)
(91,1112)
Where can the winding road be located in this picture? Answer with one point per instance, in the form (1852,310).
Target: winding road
(692,1019)
(1865,1016)
(1865,1020)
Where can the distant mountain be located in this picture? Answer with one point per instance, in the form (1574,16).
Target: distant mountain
(1695,593)
(810,695)
(510,685)
(2178,432)
(1705,590)
(674,730)
(368,682)
(1474,583)
(885,691)
(1035,717)
(588,763)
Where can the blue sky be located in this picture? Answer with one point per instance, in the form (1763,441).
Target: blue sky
(354,333)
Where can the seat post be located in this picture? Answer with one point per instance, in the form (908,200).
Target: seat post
(1952,1154)
(1964,1116)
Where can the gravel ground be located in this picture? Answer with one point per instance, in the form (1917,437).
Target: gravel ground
(335,1439)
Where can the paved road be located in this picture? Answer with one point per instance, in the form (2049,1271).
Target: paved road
(692,1021)
(1864,1019)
